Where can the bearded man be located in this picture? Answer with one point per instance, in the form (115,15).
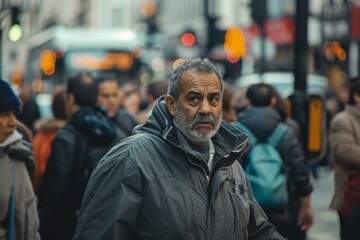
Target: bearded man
(178,176)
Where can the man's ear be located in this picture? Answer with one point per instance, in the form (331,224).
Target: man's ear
(170,104)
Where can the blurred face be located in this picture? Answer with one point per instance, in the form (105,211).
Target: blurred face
(109,97)
(198,111)
(7,125)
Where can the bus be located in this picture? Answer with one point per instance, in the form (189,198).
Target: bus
(60,52)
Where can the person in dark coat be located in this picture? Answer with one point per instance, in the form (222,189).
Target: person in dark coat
(66,174)
(177,177)
(30,111)
(261,118)
(109,99)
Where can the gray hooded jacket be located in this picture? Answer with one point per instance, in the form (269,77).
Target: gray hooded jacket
(150,187)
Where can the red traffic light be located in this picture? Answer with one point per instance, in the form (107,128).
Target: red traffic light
(188,39)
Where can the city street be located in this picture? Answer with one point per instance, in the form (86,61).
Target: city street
(326,221)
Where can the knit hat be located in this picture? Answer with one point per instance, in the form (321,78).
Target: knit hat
(8,100)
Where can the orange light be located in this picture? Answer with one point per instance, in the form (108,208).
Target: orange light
(235,44)
(124,61)
(232,58)
(315,122)
(47,62)
(16,79)
(188,39)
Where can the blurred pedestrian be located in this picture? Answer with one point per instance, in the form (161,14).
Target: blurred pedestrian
(109,99)
(132,98)
(282,108)
(177,177)
(261,118)
(24,131)
(46,130)
(152,91)
(18,214)
(229,111)
(345,148)
(75,151)
(29,109)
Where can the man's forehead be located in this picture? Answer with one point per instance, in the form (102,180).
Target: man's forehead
(193,79)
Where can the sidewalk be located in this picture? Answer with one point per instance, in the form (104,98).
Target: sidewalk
(326,225)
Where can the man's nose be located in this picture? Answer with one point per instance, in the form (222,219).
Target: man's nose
(205,107)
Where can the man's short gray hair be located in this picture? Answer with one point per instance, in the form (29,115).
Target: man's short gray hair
(202,65)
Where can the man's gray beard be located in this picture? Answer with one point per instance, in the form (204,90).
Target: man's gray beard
(186,126)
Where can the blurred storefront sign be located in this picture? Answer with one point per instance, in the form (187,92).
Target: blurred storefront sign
(335,21)
(355,21)
(280,31)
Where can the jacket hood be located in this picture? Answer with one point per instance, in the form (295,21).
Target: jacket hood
(228,139)
(260,120)
(94,123)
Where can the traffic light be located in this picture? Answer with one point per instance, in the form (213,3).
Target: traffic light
(234,44)
(188,39)
(215,35)
(259,11)
(15,31)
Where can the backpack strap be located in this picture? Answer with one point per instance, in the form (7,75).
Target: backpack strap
(247,131)
(277,134)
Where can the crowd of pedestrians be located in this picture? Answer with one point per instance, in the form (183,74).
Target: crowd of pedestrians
(166,160)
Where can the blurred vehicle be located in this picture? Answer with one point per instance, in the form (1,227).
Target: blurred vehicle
(59,52)
(283,82)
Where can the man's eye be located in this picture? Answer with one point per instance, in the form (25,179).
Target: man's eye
(214,99)
(194,99)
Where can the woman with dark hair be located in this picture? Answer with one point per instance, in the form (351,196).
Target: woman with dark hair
(282,108)
(345,147)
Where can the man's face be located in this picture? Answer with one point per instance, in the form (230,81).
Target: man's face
(198,110)
(7,125)
(109,97)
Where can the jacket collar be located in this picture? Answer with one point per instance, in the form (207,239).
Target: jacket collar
(229,142)
(14,137)
(353,110)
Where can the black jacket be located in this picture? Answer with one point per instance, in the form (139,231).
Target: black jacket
(149,187)
(62,186)
(262,121)
(125,123)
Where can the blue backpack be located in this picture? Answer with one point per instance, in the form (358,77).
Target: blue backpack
(265,168)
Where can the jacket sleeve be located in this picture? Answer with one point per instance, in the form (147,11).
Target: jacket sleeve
(31,215)
(343,143)
(259,227)
(297,167)
(55,201)
(112,199)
